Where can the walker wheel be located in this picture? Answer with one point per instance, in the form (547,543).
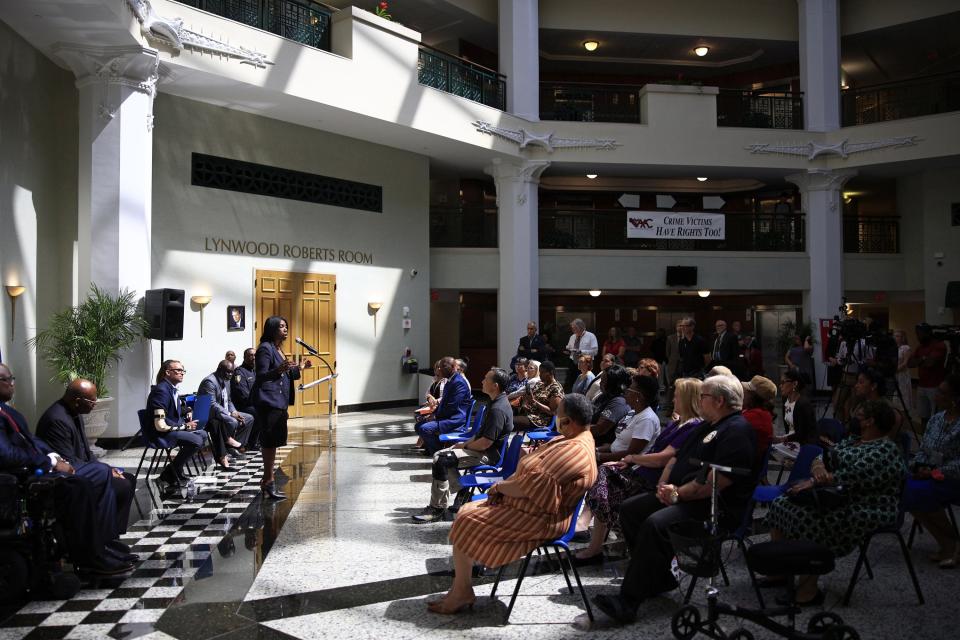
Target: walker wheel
(741,634)
(685,623)
(823,620)
(841,632)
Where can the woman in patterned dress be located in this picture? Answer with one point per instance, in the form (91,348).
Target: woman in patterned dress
(539,402)
(634,474)
(534,505)
(871,469)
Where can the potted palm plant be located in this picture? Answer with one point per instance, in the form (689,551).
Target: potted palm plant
(85,341)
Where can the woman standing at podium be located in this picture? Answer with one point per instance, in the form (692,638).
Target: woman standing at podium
(272,394)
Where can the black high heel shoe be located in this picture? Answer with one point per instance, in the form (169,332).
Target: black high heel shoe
(269,490)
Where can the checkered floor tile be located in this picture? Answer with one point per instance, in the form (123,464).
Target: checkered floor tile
(174,545)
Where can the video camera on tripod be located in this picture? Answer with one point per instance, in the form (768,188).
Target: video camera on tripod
(882,344)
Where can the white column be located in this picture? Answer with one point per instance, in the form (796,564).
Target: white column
(116,86)
(821,193)
(519,36)
(820,64)
(517,209)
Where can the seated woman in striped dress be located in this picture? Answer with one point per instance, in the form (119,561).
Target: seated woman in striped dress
(533,505)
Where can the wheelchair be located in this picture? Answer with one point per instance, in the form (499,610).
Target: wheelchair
(31,540)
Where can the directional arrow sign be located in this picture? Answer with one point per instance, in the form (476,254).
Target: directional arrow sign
(629,201)
(665,202)
(713,202)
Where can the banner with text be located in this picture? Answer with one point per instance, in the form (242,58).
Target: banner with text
(675,226)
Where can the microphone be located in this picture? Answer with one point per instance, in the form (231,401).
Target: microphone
(305,346)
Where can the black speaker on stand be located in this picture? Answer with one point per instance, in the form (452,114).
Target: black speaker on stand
(163,310)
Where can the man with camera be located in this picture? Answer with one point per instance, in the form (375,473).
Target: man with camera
(853,356)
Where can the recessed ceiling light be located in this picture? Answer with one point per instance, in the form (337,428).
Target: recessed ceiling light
(594,292)
(591,45)
(701,179)
(592,176)
(702,51)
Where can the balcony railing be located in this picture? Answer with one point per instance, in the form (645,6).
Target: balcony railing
(589,102)
(303,21)
(607,229)
(879,234)
(461,78)
(463,227)
(759,109)
(896,100)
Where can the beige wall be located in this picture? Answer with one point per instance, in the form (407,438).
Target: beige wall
(38,205)
(865,15)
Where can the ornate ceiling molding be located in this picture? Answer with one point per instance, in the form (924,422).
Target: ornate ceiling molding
(548,141)
(170,31)
(843,149)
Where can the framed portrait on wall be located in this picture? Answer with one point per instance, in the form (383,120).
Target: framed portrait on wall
(236,318)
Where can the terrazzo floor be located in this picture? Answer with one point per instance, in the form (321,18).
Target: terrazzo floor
(342,558)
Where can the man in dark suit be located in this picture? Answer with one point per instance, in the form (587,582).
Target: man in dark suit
(242,385)
(531,345)
(451,413)
(84,499)
(232,427)
(725,348)
(163,405)
(61,427)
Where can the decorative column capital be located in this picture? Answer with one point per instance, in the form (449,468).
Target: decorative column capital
(135,67)
(522,171)
(821,179)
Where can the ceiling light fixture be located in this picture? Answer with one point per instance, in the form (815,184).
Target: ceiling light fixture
(592,176)
(704,293)
(702,51)
(591,45)
(701,179)
(594,293)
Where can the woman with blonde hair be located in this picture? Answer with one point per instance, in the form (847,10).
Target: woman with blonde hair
(635,474)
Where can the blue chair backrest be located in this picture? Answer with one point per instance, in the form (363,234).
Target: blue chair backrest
(832,429)
(572,529)
(801,466)
(201,409)
(512,457)
(473,404)
(552,426)
(477,419)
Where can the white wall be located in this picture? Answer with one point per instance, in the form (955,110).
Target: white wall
(183,215)
(38,204)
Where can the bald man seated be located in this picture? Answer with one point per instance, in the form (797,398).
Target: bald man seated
(62,429)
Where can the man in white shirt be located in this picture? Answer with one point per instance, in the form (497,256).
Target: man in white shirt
(581,342)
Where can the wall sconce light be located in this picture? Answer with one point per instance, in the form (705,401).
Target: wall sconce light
(201,301)
(591,45)
(592,176)
(373,308)
(704,293)
(14,291)
(701,179)
(595,293)
(701,51)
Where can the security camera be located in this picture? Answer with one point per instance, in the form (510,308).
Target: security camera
(413,273)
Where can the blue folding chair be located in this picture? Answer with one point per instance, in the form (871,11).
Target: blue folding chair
(544,434)
(561,544)
(485,476)
(462,435)
(201,409)
(801,471)
(831,429)
(159,446)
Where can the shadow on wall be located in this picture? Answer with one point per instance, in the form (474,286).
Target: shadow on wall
(38,201)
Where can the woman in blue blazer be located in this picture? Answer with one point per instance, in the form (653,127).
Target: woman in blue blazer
(272,394)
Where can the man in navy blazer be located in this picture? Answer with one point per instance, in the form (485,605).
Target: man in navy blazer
(84,499)
(62,429)
(163,405)
(451,413)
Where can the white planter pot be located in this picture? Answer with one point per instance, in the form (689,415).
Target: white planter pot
(95,423)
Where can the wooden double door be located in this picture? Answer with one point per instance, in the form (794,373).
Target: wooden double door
(308,302)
